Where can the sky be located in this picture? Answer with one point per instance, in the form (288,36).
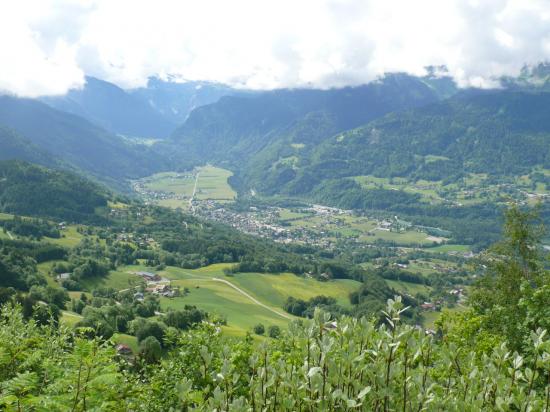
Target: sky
(48,46)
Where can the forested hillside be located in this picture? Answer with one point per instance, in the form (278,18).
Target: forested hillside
(15,146)
(501,133)
(240,126)
(77,142)
(31,190)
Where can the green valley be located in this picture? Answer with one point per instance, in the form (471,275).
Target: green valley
(179,190)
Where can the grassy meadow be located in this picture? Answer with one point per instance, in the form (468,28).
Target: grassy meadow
(208,292)
(211,185)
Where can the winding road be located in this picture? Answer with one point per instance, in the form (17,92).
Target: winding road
(253,299)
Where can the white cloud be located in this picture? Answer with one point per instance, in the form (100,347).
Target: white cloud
(46,46)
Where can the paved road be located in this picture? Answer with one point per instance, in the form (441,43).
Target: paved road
(9,234)
(256,301)
(194,192)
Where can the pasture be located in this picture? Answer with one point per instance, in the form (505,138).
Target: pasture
(259,299)
(174,190)
(70,237)
(449,248)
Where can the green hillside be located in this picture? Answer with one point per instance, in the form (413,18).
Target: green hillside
(26,189)
(14,146)
(241,126)
(77,142)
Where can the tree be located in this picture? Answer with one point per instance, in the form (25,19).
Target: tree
(274,331)
(514,277)
(259,329)
(150,349)
(151,328)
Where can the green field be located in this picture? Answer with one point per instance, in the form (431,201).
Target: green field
(472,189)
(401,238)
(241,312)
(275,289)
(70,318)
(449,248)
(428,190)
(407,287)
(45,269)
(217,297)
(117,279)
(69,237)
(124,339)
(211,185)
(429,319)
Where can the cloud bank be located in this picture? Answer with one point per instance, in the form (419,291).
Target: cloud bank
(47,46)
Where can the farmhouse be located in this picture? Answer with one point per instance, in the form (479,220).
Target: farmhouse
(149,276)
(163,289)
(63,276)
(123,350)
(428,306)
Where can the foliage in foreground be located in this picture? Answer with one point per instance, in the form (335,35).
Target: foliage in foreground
(319,365)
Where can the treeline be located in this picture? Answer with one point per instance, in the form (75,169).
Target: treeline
(33,228)
(393,273)
(135,313)
(306,309)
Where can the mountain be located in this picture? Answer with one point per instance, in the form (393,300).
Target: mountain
(75,140)
(175,100)
(15,146)
(114,109)
(500,134)
(31,190)
(496,132)
(290,141)
(531,78)
(238,127)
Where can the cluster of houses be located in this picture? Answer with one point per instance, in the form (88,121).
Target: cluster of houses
(140,240)
(267,223)
(156,285)
(252,222)
(163,289)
